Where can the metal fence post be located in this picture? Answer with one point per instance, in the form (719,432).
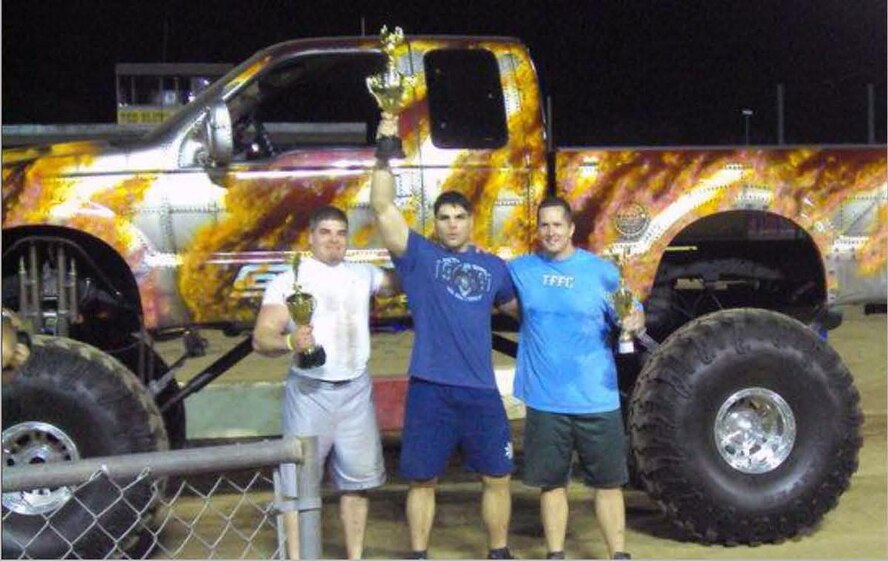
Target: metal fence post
(308,476)
(279,517)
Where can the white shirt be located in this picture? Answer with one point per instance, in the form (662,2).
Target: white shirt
(342,314)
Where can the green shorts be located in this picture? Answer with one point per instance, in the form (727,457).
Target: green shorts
(551,438)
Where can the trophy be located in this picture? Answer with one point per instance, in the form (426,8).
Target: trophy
(388,89)
(301,306)
(623,302)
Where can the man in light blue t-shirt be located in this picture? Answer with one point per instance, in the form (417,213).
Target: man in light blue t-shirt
(567,377)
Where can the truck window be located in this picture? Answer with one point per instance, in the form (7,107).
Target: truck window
(311,100)
(465,99)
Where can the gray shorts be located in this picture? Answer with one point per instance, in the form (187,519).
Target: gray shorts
(341,415)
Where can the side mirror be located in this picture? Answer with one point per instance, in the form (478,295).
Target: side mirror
(219,135)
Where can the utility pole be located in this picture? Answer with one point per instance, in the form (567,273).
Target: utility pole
(870,114)
(747,115)
(780,122)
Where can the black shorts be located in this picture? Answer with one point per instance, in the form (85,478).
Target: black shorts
(551,438)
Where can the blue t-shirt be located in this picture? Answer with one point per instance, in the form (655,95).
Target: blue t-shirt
(451,296)
(565,363)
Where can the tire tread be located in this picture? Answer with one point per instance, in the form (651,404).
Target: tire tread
(664,386)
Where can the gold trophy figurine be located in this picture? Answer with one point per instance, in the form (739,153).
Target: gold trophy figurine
(388,88)
(301,306)
(623,302)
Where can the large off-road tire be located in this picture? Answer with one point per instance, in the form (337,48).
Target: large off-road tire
(72,401)
(745,427)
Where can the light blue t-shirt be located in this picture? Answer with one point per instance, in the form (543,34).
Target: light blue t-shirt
(451,296)
(565,362)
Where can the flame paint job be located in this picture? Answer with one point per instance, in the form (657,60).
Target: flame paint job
(187,232)
(810,186)
(503,184)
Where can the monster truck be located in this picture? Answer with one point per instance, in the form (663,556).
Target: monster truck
(744,423)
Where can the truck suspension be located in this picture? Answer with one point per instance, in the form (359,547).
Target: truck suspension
(55,280)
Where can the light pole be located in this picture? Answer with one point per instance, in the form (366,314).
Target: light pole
(747,114)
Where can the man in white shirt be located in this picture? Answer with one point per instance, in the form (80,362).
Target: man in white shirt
(334,400)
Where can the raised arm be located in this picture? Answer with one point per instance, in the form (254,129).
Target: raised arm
(392,226)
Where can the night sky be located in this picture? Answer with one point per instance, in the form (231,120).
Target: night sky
(619,72)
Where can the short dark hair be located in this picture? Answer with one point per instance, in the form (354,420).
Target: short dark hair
(452,198)
(552,201)
(326,212)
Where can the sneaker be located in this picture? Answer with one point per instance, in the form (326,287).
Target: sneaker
(501,553)
(418,554)
(621,555)
(555,555)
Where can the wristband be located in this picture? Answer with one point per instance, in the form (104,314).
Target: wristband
(289,343)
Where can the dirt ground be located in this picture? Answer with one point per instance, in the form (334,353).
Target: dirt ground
(857,528)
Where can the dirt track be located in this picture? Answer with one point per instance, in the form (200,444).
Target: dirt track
(855,529)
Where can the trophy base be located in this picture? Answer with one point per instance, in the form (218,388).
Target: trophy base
(311,359)
(626,347)
(389,147)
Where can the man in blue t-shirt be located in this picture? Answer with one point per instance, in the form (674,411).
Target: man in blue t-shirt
(452,397)
(567,377)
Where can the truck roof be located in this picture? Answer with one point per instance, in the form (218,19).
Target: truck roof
(370,41)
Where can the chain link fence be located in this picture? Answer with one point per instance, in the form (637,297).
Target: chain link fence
(199,503)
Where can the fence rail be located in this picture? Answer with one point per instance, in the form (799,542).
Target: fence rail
(124,506)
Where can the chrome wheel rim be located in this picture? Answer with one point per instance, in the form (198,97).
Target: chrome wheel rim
(34,443)
(754,430)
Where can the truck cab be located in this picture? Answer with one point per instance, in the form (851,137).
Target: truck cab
(209,205)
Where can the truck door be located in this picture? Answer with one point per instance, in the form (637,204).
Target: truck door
(474,142)
(304,136)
